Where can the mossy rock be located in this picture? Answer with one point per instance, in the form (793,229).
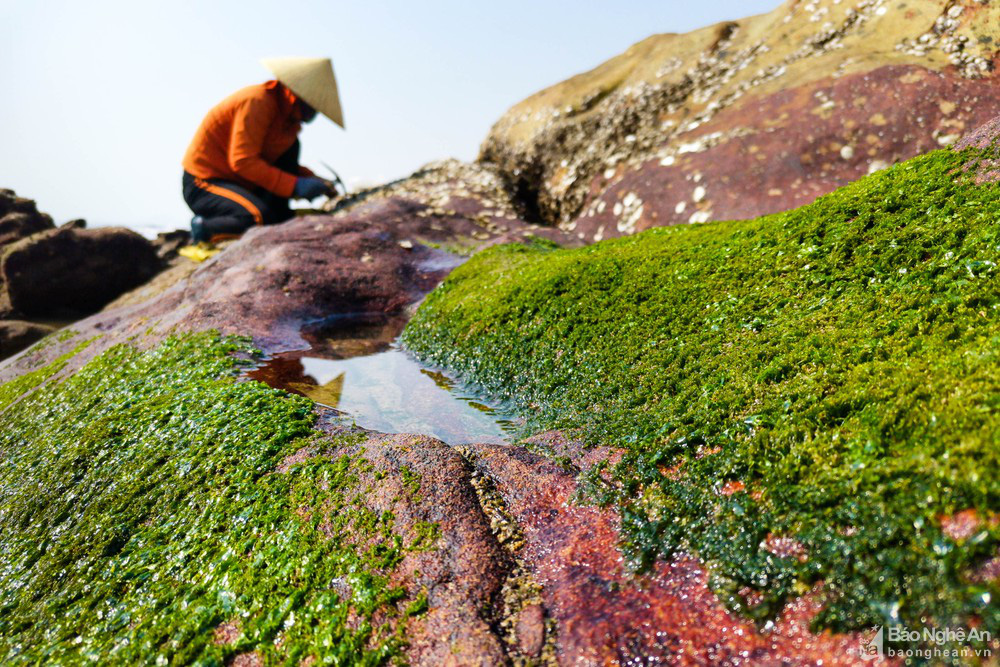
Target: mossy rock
(145,518)
(804,397)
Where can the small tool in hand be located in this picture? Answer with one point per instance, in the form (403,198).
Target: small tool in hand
(338,184)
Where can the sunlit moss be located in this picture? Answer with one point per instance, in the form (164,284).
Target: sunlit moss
(830,376)
(19,386)
(141,509)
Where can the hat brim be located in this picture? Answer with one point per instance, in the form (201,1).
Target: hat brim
(311,79)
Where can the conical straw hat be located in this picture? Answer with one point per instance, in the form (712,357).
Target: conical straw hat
(311,79)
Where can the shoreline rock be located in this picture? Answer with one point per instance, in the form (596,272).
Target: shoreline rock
(749,117)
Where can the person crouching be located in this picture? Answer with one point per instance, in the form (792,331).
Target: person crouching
(242,167)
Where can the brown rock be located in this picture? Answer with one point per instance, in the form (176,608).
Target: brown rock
(71,272)
(530,630)
(16,226)
(985,136)
(749,117)
(15,335)
(461,573)
(277,278)
(19,218)
(168,243)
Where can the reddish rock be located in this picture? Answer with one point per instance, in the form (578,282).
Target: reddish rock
(963,525)
(766,167)
(786,547)
(606,616)
(462,573)
(986,572)
(751,116)
(379,254)
(530,630)
(986,170)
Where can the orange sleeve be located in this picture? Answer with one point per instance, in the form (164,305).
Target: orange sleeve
(306,171)
(250,124)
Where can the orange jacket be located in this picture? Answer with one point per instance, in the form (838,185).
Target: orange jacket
(243,135)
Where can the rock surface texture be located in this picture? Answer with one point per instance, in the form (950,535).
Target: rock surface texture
(298,530)
(53,275)
(517,572)
(69,271)
(750,117)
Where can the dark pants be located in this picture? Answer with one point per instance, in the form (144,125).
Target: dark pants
(230,209)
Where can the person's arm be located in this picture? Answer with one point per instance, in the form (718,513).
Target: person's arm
(250,125)
(306,171)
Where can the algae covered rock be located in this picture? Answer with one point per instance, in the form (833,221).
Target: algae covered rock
(154,509)
(752,116)
(767,396)
(801,401)
(201,518)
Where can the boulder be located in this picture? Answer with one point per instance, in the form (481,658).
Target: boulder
(378,255)
(19,218)
(69,272)
(15,335)
(168,243)
(749,117)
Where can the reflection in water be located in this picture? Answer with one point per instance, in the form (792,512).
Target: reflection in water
(391,392)
(355,370)
(325,394)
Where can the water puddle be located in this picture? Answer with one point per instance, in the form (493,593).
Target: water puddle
(356,368)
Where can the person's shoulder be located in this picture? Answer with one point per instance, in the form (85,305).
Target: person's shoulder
(257,94)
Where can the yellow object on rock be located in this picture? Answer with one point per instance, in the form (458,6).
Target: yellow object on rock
(199,252)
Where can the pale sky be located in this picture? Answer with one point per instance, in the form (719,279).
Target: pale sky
(101,97)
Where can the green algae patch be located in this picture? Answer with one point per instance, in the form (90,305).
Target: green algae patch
(144,519)
(805,397)
(22,384)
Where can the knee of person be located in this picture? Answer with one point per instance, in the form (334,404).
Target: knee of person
(278,215)
(228,224)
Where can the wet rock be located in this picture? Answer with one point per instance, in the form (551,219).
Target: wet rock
(571,596)
(278,278)
(985,136)
(19,218)
(606,615)
(749,117)
(69,272)
(421,481)
(15,335)
(530,630)
(277,282)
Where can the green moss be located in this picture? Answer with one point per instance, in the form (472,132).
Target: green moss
(840,361)
(22,384)
(140,509)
